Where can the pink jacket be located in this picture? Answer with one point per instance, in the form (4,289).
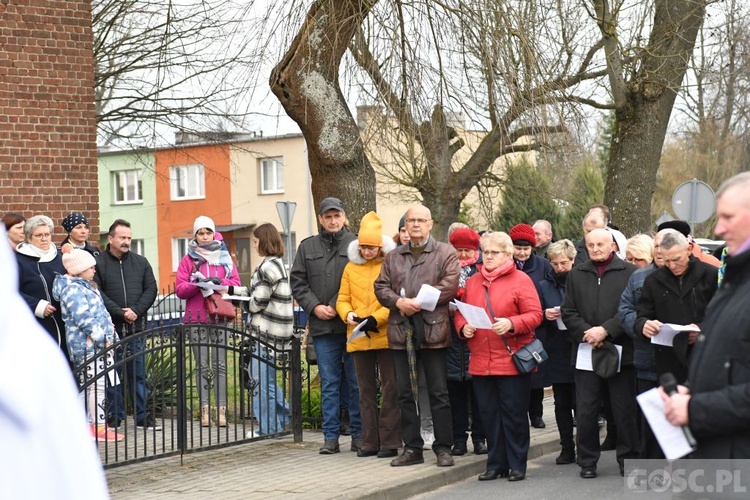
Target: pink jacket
(195,309)
(513,296)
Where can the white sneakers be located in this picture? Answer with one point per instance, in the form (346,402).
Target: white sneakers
(428,438)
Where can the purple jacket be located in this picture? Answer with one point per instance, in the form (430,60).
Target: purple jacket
(195,308)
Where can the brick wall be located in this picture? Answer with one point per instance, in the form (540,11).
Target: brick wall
(48,159)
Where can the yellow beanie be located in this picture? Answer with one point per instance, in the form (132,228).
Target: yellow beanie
(371,230)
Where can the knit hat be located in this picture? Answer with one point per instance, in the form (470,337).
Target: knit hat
(370,230)
(330,204)
(464,237)
(523,235)
(678,225)
(202,221)
(77,261)
(402,222)
(72,220)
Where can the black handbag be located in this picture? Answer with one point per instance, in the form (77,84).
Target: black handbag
(529,356)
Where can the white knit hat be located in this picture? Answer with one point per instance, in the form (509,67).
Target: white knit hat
(202,221)
(77,261)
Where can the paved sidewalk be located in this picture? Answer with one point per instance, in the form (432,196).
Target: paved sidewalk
(280,468)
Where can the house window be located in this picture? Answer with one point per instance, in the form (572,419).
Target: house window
(179,250)
(128,187)
(187,182)
(271,176)
(136,246)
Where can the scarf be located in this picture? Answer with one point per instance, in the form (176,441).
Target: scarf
(601,266)
(561,279)
(498,271)
(470,261)
(214,253)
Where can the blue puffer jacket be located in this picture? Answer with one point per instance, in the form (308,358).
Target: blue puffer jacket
(88,324)
(643,355)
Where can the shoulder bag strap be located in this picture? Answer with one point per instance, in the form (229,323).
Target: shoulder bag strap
(489,306)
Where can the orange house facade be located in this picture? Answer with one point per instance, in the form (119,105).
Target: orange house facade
(190,181)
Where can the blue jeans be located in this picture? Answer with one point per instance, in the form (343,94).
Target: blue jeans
(135,378)
(270,409)
(332,361)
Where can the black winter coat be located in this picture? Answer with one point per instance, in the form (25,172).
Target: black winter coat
(556,342)
(35,284)
(592,301)
(127,282)
(682,301)
(719,369)
(316,277)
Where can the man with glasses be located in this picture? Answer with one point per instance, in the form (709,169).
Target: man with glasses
(418,336)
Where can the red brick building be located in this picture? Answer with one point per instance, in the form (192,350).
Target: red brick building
(48,157)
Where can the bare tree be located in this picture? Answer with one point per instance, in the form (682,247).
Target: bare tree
(163,65)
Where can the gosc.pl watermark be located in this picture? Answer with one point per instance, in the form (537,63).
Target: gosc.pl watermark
(689,479)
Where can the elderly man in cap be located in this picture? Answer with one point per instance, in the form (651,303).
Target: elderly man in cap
(77,227)
(589,310)
(695,250)
(316,279)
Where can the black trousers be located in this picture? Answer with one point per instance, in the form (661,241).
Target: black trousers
(564,405)
(536,399)
(589,394)
(462,398)
(436,373)
(649,445)
(503,401)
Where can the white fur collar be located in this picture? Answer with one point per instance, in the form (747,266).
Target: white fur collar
(353,250)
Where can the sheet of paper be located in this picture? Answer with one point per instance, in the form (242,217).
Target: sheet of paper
(427,298)
(475,316)
(668,331)
(672,440)
(243,298)
(357,332)
(560,324)
(584,361)
(207,285)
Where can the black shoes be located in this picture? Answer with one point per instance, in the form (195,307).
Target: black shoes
(114,422)
(330,446)
(567,456)
(367,453)
(388,453)
(538,423)
(459,448)
(480,448)
(408,457)
(445,459)
(148,423)
(356,444)
(491,475)
(517,475)
(588,472)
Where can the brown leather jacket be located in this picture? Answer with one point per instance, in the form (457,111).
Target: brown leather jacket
(438,266)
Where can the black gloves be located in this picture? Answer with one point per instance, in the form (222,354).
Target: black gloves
(214,280)
(371,324)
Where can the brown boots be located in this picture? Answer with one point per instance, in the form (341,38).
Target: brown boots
(208,413)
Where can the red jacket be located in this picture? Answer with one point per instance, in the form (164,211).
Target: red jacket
(513,296)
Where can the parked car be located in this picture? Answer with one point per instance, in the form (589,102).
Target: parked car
(167,310)
(708,245)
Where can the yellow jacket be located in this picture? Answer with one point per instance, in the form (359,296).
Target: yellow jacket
(357,293)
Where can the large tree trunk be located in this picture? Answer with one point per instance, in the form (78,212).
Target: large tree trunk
(306,81)
(644,105)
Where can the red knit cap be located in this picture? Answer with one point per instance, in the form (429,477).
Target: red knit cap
(523,235)
(464,237)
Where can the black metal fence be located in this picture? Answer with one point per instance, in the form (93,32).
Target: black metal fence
(250,384)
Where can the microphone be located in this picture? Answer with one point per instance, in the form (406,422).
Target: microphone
(669,385)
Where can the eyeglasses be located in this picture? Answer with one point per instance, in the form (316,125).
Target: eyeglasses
(491,253)
(417,221)
(42,236)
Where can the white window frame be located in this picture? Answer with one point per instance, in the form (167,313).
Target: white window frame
(276,179)
(137,246)
(194,179)
(133,185)
(179,250)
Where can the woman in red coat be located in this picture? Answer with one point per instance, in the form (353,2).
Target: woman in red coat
(502,393)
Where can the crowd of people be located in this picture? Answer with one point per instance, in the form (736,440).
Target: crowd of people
(398,363)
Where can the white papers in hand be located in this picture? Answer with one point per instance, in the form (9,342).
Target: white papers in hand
(207,285)
(668,331)
(475,316)
(427,298)
(671,438)
(584,361)
(357,332)
(244,298)
(560,324)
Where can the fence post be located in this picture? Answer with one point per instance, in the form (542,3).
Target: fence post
(181,393)
(296,389)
